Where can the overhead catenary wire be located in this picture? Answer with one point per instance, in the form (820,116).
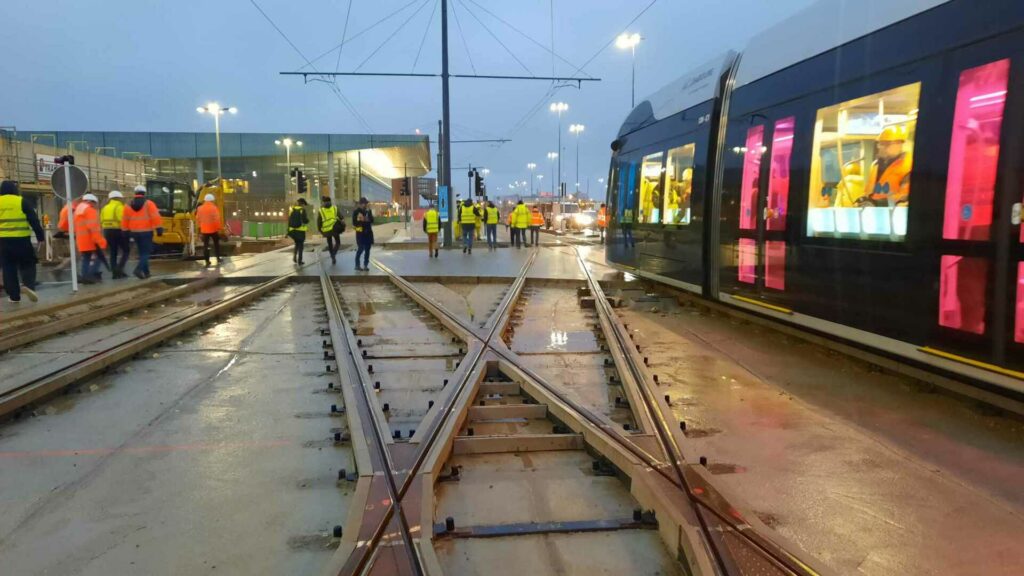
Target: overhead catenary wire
(310,63)
(392,35)
(334,87)
(465,45)
(496,39)
(426,32)
(344,33)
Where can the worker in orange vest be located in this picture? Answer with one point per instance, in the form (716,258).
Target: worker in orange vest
(536,221)
(210,224)
(141,218)
(89,239)
(602,220)
(62,220)
(889,180)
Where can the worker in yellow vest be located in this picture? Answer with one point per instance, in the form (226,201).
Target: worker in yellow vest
(491,222)
(111,217)
(469,215)
(331,225)
(520,222)
(431,225)
(18,221)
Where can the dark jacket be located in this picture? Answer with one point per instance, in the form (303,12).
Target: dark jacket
(362,221)
(29,208)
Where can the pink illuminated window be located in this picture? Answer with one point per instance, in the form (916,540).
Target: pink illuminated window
(751,178)
(963,293)
(1019,332)
(974,152)
(778,180)
(775,264)
(748,260)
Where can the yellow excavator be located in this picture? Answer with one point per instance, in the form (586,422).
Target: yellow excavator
(177,202)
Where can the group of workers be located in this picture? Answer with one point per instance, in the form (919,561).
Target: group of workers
(331,224)
(112,227)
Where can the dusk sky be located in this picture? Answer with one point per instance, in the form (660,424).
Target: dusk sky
(144,65)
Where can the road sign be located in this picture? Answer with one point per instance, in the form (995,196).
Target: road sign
(79,182)
(442,202)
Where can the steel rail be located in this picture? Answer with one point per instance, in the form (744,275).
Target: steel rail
(772,552)
(444,414)
(42,386)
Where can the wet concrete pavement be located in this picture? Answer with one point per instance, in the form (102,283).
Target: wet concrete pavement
(211,455)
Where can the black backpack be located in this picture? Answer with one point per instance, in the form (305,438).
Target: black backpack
(295,218)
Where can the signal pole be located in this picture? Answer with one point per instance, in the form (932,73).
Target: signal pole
(445,173)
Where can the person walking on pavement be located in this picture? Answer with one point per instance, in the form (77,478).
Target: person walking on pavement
(520,222)
(491,221)
(210,226)
(468,217)
(89,239)
(331,226)
(117,240)
(536,221)
(362,221)
(141,218)
(602,221)
(18,222)
(431,225)
(298,223)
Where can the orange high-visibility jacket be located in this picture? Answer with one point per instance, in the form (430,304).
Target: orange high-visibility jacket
(208,218)
(602,218)
(62,221)
(536,218)
(145,220)
(88,234)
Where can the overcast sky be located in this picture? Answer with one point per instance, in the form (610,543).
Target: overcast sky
(144,65)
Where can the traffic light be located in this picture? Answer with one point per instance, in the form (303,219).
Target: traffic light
(67,158)
(403,187)
(302,182)
(478,184)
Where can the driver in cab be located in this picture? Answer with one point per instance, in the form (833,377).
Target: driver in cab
(889,182)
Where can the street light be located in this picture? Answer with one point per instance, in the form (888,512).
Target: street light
(629,42)
(287,143)
(554,156)
(216,110)
(577,129)
(531,166)
(558,108)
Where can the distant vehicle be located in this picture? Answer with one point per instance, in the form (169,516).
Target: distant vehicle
(582,221)
(561,215)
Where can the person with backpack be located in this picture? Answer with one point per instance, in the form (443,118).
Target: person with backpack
(331,226)
(362,220)
(298,222)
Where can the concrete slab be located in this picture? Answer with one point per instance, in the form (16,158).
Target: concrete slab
(164,466)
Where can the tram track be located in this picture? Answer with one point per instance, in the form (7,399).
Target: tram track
(40,383)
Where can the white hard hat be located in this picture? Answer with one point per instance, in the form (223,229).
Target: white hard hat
(90,198)
(115,194)
(209,198)
(140,188)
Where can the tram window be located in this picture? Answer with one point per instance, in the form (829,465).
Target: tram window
(752,154)
(778,180)
(626,192)
(1019,332)
(962,293)
(974,152)
(678,185)
(650,188)
(861,166)
(747,265)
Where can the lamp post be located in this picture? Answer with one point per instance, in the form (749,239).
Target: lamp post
(539,177)
(532,166)
(577,129)
(216,110)
(554,156)
(287,143)
(629,42)
(558,108)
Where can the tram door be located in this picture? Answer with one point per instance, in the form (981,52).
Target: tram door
(764,205)
(981,276)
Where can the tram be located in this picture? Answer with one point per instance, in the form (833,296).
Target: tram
(855,170)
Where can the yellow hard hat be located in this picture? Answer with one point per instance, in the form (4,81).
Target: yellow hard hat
(897,133)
